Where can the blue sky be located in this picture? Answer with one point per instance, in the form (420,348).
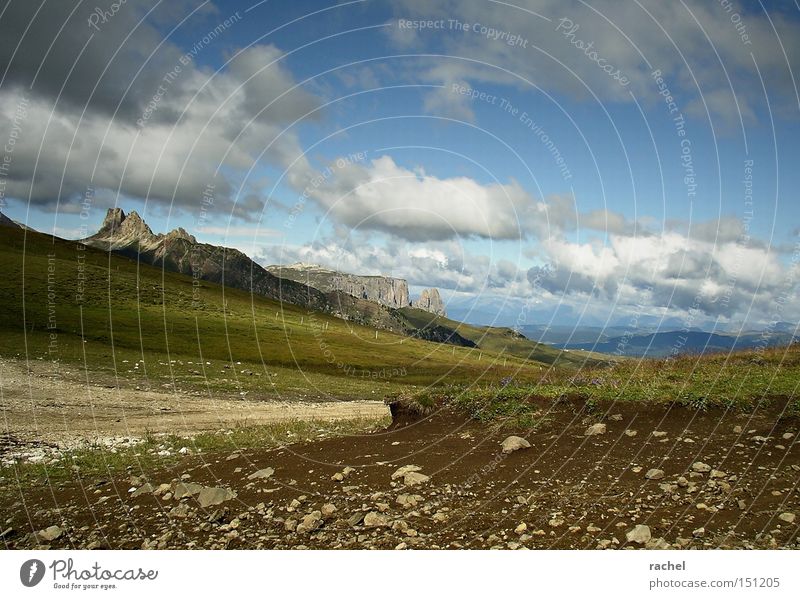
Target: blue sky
(408,138)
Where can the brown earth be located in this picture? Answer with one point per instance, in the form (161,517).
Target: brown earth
(569,490)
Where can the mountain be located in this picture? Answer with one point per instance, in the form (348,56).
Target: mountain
(178,251)
(387,291)
(7,222)
(664,344)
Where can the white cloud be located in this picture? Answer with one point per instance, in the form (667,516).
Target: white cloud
(411,204)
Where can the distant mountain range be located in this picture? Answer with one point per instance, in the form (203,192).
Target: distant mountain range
(622,342)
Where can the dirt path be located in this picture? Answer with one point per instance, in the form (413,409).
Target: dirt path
(35,405)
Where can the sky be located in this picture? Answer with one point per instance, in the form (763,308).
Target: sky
(539,162)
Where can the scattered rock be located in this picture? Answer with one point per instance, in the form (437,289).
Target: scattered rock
(654,474)
(214,496)
(310,522)
(521,528)
(415,478)
(376,520)
(701,467)
(180,511)
(263,473)
(659,434)
(328,510)
(51,533)
(699,533)
(146,488)
(787,517)
(181,490)
(407,500)
(639,534)
(595,429)
(514,443)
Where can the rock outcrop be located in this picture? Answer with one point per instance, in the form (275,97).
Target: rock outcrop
(430,301)
(387,291)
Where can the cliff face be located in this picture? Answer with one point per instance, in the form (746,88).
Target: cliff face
(430,301)
(387,291)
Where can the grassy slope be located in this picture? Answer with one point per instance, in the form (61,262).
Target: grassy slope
(133,312)
(740,380)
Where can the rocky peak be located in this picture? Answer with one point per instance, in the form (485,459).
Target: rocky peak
(181,233)
(430,301)
(118,224)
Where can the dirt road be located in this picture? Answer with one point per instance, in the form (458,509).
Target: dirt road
(38,405)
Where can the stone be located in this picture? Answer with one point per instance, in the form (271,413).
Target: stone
(595,429)
(699,533)
(717,474)
(51,533)
(701,467)
(356,519)
(328,510)
(659,543)
(514,443)
(182,490)
(180,511)
(310,522)
(407,500)
(415,478)
(683,482)
(639,534)
(376,520)
(521,528)
(787,517)
(403,470)
(654,474)
(214,496)
(263,473)
(659,434)
(146,488)
(630,433)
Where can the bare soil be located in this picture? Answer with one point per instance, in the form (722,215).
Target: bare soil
(568,490)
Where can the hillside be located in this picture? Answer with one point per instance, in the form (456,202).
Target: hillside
(502,340)
(150,327)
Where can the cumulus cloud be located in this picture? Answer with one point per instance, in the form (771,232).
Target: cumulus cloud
(138,115)
(384,196)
